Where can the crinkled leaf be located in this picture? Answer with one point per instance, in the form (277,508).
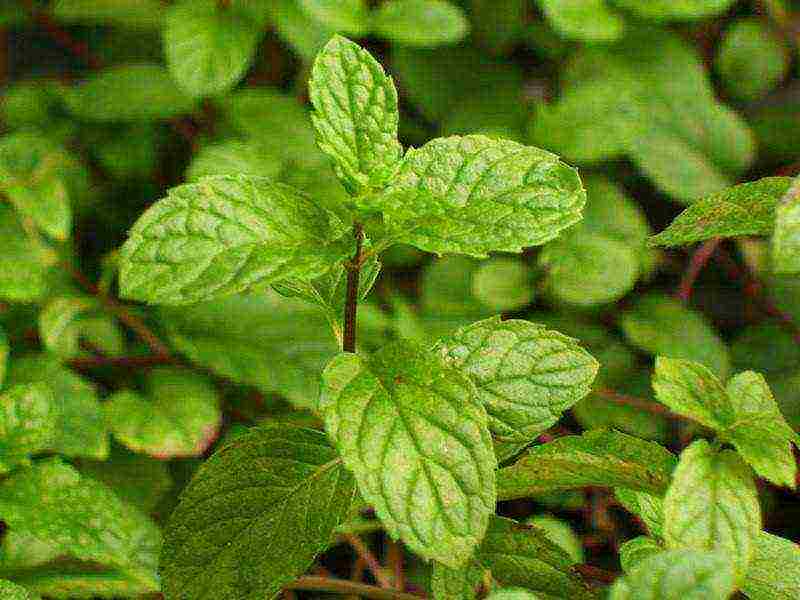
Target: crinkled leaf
(355,114)
(225,235)
(786,240)
(28,423)
(255,516)
(712,504)
(88,543)
(746,209)
(461,583)
(678,575)
(634,551)
(180,416)
(423,23)
(12,591)
(208,48)
(473,195)
(774,571)
(522,555)
(526,375)
(587,20)
(413,431)
(596,458)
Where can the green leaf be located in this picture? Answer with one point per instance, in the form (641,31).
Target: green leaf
(208,49)
(59,324)
(347,16)
(661,325)
(786,240)
(473,195)
(121,94)
(503,283)
(461,583)
(245,532)
(136,14)
(649,508)
(46,204)
(760,432)
(526,375)
(586,269)
(678,575)
(235,157)
(305,35)
(774,572)
(12,591)
(68,536)
(634,551)
(513,594)
(522,555)
(180,418)
(424,23)
(587,20)
(596,458)
(28,423)
(25,262)
(675,10)
(414,433)
(712,504)
(80,429)
(746,209)
(355,115)
(752,59)
(560,532)
(255,339)
(225,235)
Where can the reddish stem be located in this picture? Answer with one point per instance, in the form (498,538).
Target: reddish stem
(699,260)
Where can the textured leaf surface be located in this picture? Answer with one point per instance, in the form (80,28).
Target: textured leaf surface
(596,458)
(414,433)
(355,114)
(523,555)
(208,49)
(526,375)
(12,591)
(422,23)
(181,417)
(474,195)
(128,93)
(746,209)
(774,572)
(634,551)
(28,423)
(588,20)
(255,516)
(225,235)
(461,583)
(712,504)
(786,240)
(678,575)
(109,547)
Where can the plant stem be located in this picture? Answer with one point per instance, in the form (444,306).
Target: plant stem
(369,559)
(351,304)
(590,573)
(344,586)
(698,261)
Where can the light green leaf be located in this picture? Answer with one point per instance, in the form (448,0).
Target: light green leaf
(746,209)
(760,432)
(503,283)
(128,93)
(80,429)
(526,375)
(473,195)
(245,532)
(69,536)
(712,504)
(649,508)
(661,325)
(305,35)
(355,115)
(596,458)
(347,16)
(28,423)
(634,551)
(513,594)
(560,532)
(675,10)
(25,262)
(59,324)
(587,20)
(12,591)
(46,204)
(586,269)
(774,572)
(461,583)
(179,417)
(786,240)
(225,235)
(254,339)
(414,433)
(235,157)
(208,49)
(424,23)
(522,555)
(678,575)
(136,14)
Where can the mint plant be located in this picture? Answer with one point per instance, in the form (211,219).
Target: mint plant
(398,346)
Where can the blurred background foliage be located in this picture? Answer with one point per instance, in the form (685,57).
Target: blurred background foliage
(107,103)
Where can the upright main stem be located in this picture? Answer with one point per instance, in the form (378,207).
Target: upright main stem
(351,304)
